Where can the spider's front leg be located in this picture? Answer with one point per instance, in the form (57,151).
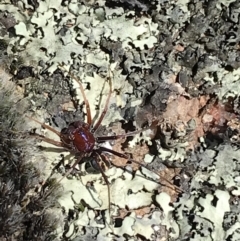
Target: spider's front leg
(46,139)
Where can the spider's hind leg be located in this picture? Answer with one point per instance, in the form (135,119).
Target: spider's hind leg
(122,155)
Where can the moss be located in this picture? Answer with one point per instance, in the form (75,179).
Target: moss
(24,209)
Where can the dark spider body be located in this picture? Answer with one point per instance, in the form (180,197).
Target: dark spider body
(78,136)
(80,139)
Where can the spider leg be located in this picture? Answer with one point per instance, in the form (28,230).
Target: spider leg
(78,161)
(109,138)
(104,110)
(106,181)
(88,110)
(101,148)
(50,141)
(45,126)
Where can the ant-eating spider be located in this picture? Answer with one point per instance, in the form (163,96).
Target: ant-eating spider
(80,139)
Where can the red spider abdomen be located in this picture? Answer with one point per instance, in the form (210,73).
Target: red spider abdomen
(79,137)
(84,140)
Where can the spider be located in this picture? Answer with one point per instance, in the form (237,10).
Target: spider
(80,138)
